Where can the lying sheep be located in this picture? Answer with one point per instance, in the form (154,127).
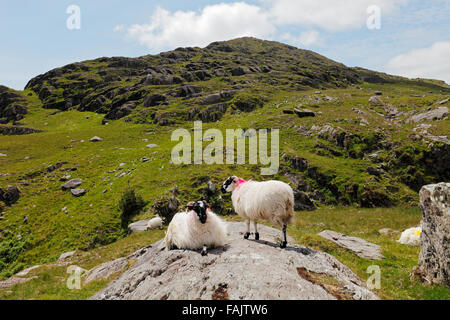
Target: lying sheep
(155,223)
(270,200)
(411,236)
(197,228)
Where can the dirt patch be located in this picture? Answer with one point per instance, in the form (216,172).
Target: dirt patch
(328,283)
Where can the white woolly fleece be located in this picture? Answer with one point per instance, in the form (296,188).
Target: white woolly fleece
(269,200)
(185,231)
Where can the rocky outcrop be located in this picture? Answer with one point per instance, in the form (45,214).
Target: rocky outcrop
(434,258)
(432,115)
(359,246)
(17,130)
(238,271)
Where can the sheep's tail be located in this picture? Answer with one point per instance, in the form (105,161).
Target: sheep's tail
(290,214)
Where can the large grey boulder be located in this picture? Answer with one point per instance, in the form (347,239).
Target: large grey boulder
(241,270)
(434,258)
(359,246)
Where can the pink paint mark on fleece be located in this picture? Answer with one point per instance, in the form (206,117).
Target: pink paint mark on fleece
(240,182)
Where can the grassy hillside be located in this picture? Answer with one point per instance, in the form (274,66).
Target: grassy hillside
(358,153)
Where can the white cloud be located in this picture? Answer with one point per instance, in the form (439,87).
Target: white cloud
(267,20)
(432,62)
(333,15)
(213,23)
(119,28)
(305,39)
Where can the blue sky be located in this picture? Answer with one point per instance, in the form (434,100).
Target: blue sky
(414,38)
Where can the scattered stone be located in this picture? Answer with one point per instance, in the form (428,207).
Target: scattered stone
(145,159)
(78,192)
(66,255)
(359,246)
(376,101)
(65,178)
(388,231)
(152,146)
(240,269)
(10,195)
(434,258)
(3,155)
(443,101)
(72,184)
(95,139)
(288,111)
(304,113)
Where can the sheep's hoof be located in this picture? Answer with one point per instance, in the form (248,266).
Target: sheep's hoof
(247,234)
(204,252)
(256,236)
(283,244)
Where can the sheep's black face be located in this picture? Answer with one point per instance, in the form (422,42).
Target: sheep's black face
(200,208)
(228,185)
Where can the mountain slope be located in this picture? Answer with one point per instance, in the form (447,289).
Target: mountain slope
(359,149)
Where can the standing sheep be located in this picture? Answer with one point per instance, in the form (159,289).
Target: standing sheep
(270,200)
(197,228)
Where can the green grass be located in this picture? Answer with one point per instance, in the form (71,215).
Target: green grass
(93,221)
(365,223)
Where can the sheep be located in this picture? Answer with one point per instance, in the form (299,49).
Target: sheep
(155,223)
(270,200)
(411,236)
(196,228)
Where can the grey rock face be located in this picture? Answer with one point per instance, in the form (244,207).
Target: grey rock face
(434,258)
(241,270)
(72,184)
(360,247)
(106,270)
(436,114)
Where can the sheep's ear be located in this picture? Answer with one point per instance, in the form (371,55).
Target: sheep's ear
(205,203)
(190,205)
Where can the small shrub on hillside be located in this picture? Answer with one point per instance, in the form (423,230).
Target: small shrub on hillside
(130,204)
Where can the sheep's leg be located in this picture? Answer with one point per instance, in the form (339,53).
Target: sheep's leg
(255,224)
(248,229)
(284,241)
(204,250)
